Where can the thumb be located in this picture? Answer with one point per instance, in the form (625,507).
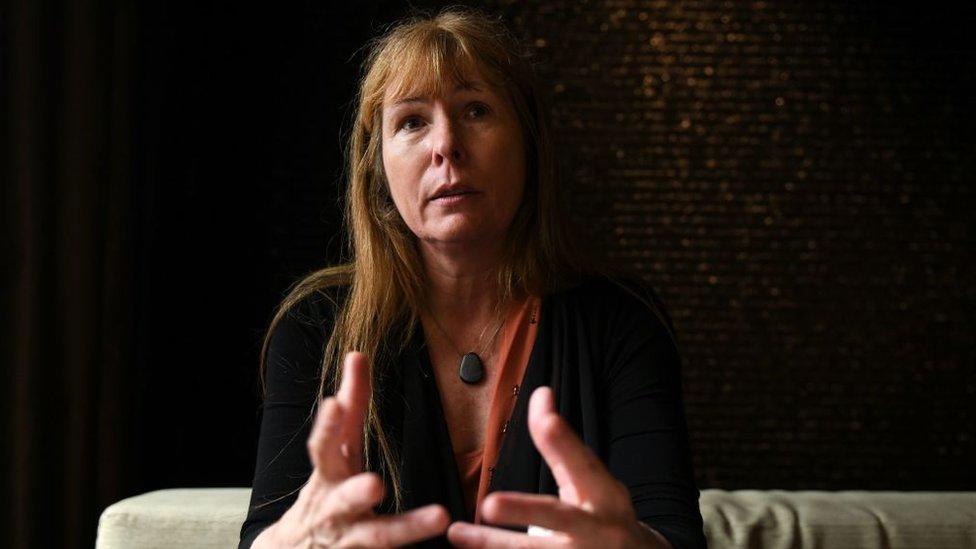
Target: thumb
(582,478)
(354,395)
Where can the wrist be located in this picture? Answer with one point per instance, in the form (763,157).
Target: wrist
(265,539)
(271,537)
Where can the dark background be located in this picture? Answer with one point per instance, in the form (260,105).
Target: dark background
(795,178)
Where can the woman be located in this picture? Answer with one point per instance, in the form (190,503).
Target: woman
(478,354)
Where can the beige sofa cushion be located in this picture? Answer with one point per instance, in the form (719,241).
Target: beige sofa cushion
(212,517)
(774,519)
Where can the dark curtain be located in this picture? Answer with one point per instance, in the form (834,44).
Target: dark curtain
(69,132)
(168,169)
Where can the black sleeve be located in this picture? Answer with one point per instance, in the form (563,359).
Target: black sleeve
(292,368)
(649,449)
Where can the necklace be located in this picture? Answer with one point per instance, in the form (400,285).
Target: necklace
(471,368)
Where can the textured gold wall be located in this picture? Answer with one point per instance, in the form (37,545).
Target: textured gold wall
(795,179)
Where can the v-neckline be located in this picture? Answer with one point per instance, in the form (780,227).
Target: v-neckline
(447,451)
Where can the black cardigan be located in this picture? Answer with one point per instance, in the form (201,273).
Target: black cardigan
(605,347)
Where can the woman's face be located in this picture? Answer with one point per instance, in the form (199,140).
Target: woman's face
(455,163)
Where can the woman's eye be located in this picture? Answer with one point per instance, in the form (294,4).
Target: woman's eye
(405,124)
(478,110)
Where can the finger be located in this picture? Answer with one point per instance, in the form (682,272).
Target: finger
(355,495)
(581,476)
(520,509)
(353,394)
(467,535)
(323,442)
(392,530)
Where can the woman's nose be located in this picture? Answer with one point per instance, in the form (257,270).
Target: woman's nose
(447,143)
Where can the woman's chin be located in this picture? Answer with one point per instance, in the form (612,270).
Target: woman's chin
(456,236)
(460,239)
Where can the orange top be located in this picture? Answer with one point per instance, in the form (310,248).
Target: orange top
(512,350)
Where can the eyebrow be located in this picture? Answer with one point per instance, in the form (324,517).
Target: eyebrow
(464,86)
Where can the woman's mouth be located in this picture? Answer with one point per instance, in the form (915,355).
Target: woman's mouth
(449,193)
(454,197)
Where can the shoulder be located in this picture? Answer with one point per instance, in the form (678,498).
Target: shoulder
(296,342)
(623,287)
(618,302)
(310,317)
(612,292)
(318,308)
(314,301)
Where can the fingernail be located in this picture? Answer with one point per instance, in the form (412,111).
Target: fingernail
(489,505)
(437,514)
(534,530)
(459,531)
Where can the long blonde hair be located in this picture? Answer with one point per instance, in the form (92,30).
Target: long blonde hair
(384,273)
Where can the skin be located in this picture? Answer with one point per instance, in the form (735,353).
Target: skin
(471,135)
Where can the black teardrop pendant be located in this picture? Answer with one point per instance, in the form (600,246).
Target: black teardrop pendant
(471,370)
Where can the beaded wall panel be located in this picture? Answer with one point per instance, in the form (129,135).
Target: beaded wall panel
(795,178)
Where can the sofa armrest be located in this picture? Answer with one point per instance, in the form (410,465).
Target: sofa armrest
(868,519)
(184,518)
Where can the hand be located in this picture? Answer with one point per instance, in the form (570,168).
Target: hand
(593,508)
(335,507)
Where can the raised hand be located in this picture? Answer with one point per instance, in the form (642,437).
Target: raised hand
(335,507)
(593,508)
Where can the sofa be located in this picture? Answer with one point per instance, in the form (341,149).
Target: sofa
(212,517)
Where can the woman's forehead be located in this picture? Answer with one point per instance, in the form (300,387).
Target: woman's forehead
(422,93)
(417,84)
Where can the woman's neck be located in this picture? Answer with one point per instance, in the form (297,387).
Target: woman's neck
(461,281)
